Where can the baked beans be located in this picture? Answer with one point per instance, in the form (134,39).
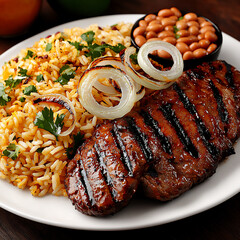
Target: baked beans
(194,36)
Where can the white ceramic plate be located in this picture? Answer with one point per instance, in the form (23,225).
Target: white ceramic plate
(58,211)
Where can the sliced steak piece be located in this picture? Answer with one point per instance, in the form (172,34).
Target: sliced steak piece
(105,172)
(192,157)
(209,99)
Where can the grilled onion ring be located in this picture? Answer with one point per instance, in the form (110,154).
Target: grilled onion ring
(161,79)
(139,78)
(168,75)
(88,80)
(105,61)
(115,62)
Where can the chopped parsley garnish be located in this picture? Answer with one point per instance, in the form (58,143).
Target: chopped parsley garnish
(62,36)
(45,120)
(133,58)
(39,150)
(78,141)
(177,36)
(4,98)
(22,99)
(40,78)
(48,47)
(117,49)
(28,90)
(88,37)
(66,73)
(29,54)
(95,50)
(12,151)
(22,72)
(175,29)
(13,82)
(77,45)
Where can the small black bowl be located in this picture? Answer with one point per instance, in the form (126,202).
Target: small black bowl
(187,63)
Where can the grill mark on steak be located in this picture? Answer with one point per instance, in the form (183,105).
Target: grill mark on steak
(85,183)
(124,156)
(229,74)
(141,138)
(192,109)
(202,129)
(229,95)
(169,114)
(196,74)
(154,125)
(201,95)
(221,108)
(105,173)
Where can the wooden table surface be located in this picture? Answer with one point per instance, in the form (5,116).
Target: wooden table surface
(221,222)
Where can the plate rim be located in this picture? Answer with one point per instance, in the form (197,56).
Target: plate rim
(8,53)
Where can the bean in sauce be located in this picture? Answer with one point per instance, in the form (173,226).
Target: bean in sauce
(194,36)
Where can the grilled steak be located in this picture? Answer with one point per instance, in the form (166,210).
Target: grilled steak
(105,173)
(200,112)
(174,141)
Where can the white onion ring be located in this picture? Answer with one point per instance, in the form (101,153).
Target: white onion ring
(104,61)
(107,60)
(61,100)
(140,94)
(87,81)
(106,89)
(168,75)
(140,79)
(115,62)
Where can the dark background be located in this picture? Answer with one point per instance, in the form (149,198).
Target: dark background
(221,222)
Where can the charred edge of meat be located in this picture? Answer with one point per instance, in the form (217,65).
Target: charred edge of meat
(229,74)
(195,73)
(213,69)
(141,138)
(124,156)
(148,119)
(191,108)
(84,180)
(169,114)
(223,113)
(202,129)
(105,173)
(152,171)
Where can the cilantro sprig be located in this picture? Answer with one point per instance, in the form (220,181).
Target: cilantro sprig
(77,45)
(4,98)
(175,30)
(12,151)
(40,78)
(66,73)
(95,50)
(13,82)
(45,120)
(28,90)
(133,58)
(48,47)
(29,55)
